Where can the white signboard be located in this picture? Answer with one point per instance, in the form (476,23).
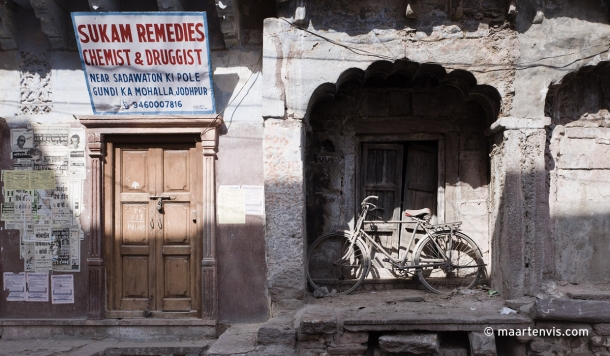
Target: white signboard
(146,62)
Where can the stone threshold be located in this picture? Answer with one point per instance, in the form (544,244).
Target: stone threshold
(107,322)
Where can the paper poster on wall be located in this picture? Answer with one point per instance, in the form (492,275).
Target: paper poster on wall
(62,289)
(156,63)
(231,205)
(16,180)
(14,283)
(43,195)
(22,140)
(37,287)
(43,261)
(255,199)
(29,257)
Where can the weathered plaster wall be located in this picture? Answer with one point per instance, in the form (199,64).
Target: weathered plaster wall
(577,158)
(242,281)
(285,211)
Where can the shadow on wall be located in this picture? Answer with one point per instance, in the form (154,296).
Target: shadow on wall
(362,17)
(533,11)
(577,151)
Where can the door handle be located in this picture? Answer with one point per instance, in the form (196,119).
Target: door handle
(160,224)
(152,223)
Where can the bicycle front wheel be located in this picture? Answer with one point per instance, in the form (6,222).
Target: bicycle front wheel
(336,263)
(459,265)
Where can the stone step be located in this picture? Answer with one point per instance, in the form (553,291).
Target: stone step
(238,339)
(574,310)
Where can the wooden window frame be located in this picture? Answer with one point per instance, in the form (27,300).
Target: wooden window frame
(442,186)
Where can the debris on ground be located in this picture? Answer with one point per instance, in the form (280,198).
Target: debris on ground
(507,311)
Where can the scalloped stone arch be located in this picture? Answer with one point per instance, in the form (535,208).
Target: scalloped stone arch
(409,75)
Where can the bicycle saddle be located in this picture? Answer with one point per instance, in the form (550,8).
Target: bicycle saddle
(421,213)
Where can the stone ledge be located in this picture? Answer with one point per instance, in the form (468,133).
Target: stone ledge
(516,123)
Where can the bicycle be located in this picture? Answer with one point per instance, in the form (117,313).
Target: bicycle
(444,259)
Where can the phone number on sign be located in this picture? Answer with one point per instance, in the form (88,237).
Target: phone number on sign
(152,104)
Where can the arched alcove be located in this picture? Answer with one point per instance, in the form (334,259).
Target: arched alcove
(411,133)
(577,151)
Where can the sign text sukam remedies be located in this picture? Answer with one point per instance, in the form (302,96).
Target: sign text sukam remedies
(146,63)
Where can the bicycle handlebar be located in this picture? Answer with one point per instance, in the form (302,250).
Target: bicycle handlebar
(365,201)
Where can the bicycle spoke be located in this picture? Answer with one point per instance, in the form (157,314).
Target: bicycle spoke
(337,264)
(461,267)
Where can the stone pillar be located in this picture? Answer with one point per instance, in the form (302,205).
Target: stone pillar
(95,260)
(209,292)
(520,221)
(285,211)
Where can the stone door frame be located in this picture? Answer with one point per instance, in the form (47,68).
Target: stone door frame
(96,197)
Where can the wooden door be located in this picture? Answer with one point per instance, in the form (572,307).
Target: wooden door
(156,245)
(421,183)
(382,177)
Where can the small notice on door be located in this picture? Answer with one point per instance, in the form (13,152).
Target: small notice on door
(231,205)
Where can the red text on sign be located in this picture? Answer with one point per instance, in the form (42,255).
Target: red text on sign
(170,32)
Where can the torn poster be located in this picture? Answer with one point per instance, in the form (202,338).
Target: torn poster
(14,283)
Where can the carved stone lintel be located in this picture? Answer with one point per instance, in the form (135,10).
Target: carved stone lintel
(171,5)
(55,22)
(35,83)
(7,25)
(105,5)
(228,12)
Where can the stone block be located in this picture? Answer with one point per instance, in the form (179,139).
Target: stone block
(451,351)
(558,326)
(276,332)
(602,341)
(539,345)
(518,303)
(348,337)
(481,344)
(318,322)
(417,344)
(602,329)
(583,153)
(590,295)
(571,310)
(312,344)
(354,349)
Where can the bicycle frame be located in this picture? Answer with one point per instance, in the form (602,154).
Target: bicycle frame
(401,263)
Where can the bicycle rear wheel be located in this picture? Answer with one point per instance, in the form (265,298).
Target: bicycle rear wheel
(335,263)
(461,268)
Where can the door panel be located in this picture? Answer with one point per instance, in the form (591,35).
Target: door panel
(134,175)
(176,229)
(134,227)
(382,177)
(175,170)
(156,247)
